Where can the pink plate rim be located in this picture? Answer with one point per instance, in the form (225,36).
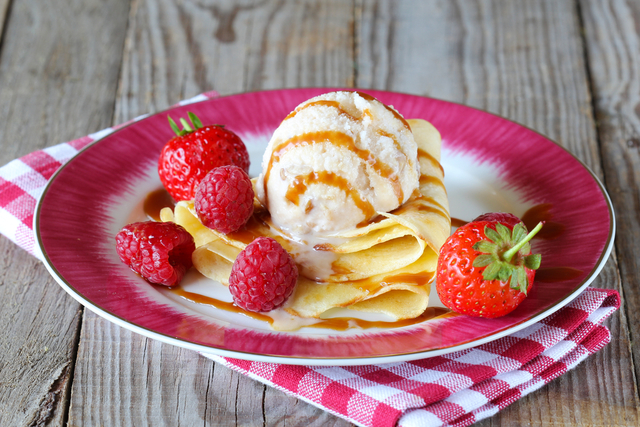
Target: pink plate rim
(486,137)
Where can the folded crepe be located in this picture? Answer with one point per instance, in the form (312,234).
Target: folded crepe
(384,266)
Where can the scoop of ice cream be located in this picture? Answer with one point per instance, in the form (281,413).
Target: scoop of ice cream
(335,162)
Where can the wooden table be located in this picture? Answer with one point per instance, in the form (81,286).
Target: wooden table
(569,69)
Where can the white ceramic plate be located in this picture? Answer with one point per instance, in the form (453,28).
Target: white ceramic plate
(491,164)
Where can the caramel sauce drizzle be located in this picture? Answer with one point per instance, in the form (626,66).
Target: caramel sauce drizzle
(531,218)
(419,279)
(344,323)
(424,155)
(374,220)
(557,274)
(456,222)
(431,200)
(541,212)
(373,286)
(327,103)
(301,182)
(338,138)
(425,179)
(419,205)
(341,140)
(336,323)
(155,202)
(393,111)
(251,230)
(220,305)
(393,138)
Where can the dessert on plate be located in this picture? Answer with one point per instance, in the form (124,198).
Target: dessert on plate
(355,194)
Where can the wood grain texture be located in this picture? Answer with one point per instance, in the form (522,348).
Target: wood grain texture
(612,33)
(178,49)
(506,58)
(128,380)
(4,10)
(59,67)
(175,50)
(58,75)
(37,345)
(528,61)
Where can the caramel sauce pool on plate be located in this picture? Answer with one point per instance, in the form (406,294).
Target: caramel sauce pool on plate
(335,324)
(160,198)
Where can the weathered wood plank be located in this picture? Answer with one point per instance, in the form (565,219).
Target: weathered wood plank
(58,74)
(612,33)
(4,10)
(507,58)
(58,71)
(131,380)
(174,50)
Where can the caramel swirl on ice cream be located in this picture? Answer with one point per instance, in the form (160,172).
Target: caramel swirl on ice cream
(335,162)
(355,193)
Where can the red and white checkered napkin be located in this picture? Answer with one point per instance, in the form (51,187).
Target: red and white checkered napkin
(456,389)
(23,180)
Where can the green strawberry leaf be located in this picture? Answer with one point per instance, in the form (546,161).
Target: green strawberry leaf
(185,125)
(498,255)
(197,124)
(519,233)
(504,273)
(532,261)
(523,280)
(483,260)
(492,234)
(504,232)
(174,126)
(485,246)
(491,272)
(519,244)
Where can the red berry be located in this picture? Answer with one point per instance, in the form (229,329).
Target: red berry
(188,157)
(263,276)
(478,275)
(224,199)
(158,251)
(501,217)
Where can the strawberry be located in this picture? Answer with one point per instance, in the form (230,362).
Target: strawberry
(486,268)
(196,150)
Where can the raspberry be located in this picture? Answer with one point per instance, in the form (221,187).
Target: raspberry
(501,217)
(224,199)
(263,276)
(158,251)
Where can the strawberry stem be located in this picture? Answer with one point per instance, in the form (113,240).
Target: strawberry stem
(508,255)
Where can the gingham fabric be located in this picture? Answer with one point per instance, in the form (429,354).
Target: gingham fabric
(456,389)
(23,180)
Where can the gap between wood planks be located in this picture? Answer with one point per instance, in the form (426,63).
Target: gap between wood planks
(72,367)
(59,396)
(52,399)
(5,11)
